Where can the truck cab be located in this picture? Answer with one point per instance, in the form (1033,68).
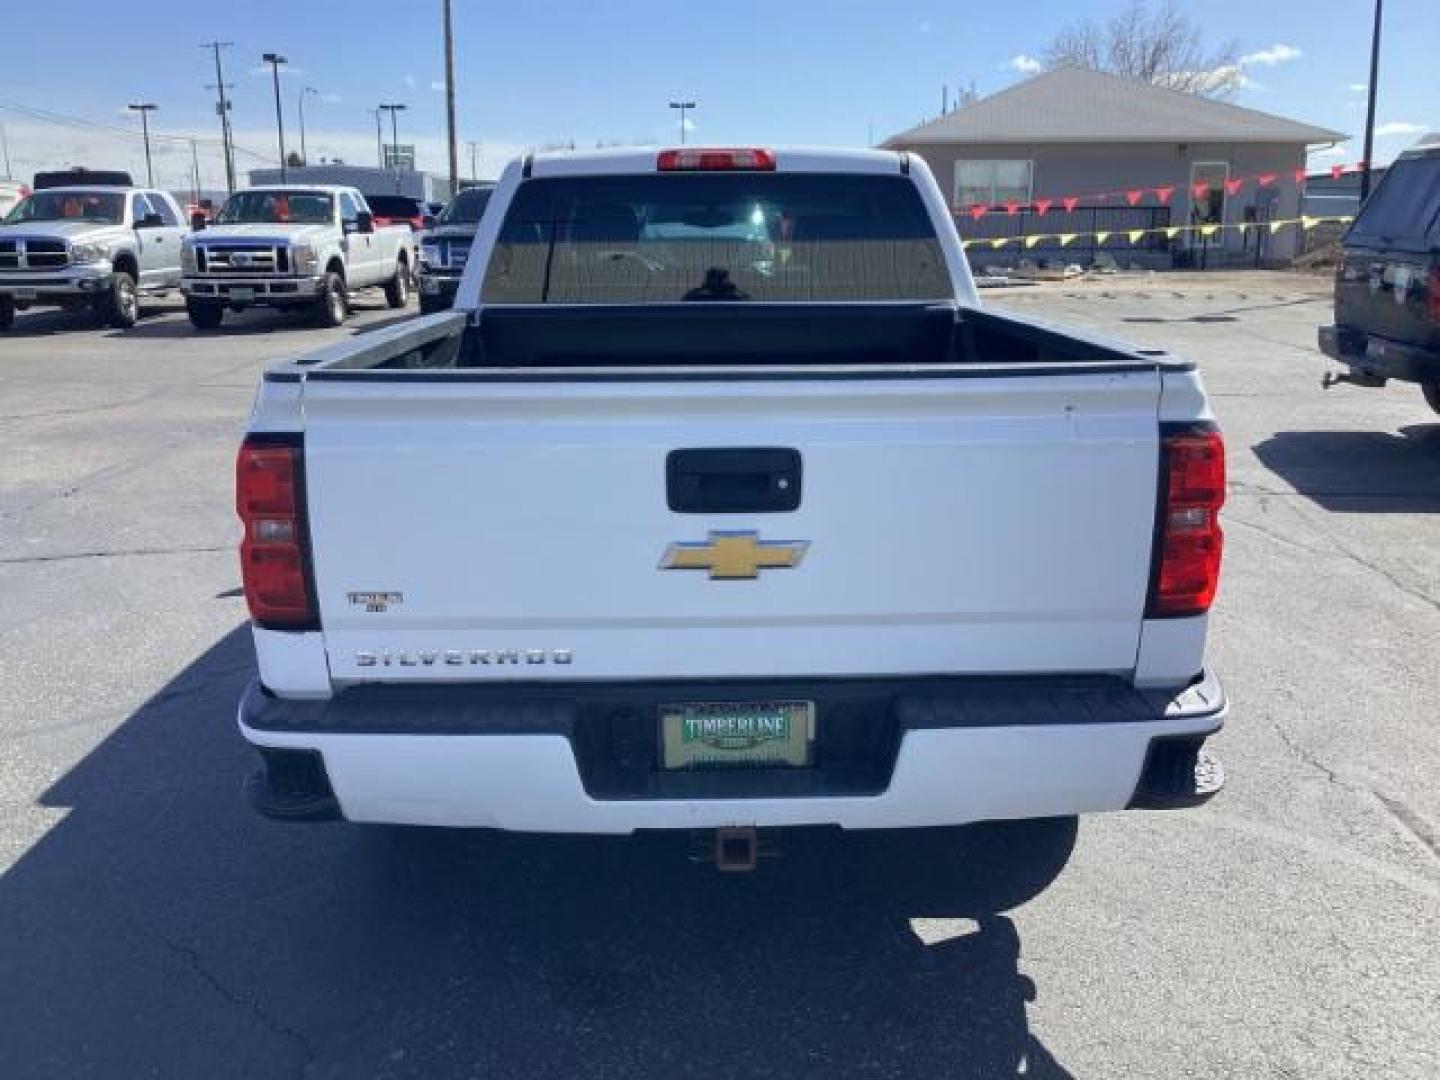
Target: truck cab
(89,247)
(294,247)
(1387,287)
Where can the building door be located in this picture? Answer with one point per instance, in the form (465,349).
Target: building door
(1207,200)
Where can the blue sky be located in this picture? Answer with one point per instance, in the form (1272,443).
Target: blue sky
(539,73)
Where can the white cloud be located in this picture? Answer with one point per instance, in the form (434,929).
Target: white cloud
(1399,127)
(1359,87)
(1023,63)
(1338,150)
(36,146)
(438,85)
(1226,77)
(285,69)
(1276,54)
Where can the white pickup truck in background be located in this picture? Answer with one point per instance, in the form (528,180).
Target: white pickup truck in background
(720,503)
(304,247)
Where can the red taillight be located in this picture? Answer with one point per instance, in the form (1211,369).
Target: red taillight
(698,160)
(1188,538)
(274,565)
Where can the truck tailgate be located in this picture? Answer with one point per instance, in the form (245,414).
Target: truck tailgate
(500,526)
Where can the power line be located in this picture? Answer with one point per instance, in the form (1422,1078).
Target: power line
(80,123)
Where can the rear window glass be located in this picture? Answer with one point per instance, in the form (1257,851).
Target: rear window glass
(778,237)
(394,206)
(1406,206)
(466,208)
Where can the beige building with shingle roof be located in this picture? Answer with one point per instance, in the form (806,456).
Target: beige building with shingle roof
(1076,151)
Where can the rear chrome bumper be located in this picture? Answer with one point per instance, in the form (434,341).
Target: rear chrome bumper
(527,763)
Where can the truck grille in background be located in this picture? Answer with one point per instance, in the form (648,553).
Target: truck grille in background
(26,254)
(243,259)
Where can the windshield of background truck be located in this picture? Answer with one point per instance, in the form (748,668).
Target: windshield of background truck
(465,209)
(100,207)
(277,208)
(1406,206)
(742,236)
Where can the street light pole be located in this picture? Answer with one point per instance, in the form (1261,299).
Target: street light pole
(304,156)
(145,110)
(474,149)
(683,106)
(379,140)
(1370,107)
(275,60)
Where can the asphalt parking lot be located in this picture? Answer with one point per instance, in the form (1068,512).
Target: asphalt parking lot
(152,926)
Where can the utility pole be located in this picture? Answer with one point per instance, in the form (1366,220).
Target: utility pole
(683,106)
(379,140)
(5,145)
(194,174)
(394,110)
(222,108)
(1370,107)
(304,157)
(450,100)
(275,60)
(145,110)
(474,149)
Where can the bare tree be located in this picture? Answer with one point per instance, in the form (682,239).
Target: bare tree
(1158,46)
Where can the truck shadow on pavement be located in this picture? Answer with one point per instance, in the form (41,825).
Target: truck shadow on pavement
(1360,471)
(161,929)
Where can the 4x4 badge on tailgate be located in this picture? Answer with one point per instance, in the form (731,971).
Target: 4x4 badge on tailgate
(376,601)
(735,555)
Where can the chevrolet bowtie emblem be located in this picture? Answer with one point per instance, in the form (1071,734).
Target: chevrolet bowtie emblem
(735,555)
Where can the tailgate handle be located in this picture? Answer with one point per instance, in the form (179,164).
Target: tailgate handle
(733,480)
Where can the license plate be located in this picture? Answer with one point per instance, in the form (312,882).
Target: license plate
(746,734)
(26,294)
(242,294)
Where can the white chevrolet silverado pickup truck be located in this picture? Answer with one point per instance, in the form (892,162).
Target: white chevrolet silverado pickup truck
(719,502)
(301,248)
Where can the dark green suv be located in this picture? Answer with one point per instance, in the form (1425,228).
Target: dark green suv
(1387,289)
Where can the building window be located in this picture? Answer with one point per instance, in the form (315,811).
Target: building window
(992,183)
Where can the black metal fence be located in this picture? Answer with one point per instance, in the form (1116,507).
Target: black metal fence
(1084,221)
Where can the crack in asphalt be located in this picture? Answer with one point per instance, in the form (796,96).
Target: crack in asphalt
(1338,549)
(1232,519)
(196,963)
(1398,810)
(79,410)
(117,553)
